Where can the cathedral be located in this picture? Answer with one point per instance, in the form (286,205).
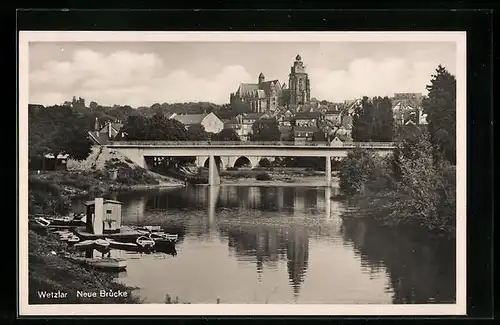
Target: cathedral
(268,96)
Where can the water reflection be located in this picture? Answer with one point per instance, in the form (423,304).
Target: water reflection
(292,238)
(421,267)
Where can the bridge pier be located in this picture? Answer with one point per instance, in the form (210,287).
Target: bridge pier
(328,170)
(213,173)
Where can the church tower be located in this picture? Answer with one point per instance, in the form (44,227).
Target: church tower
(300,92)
(261,78)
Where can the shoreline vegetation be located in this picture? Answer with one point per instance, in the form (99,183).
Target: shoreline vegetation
(402,191)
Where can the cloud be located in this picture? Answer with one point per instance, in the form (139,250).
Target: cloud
(142,79)
(130,78)
(369,77)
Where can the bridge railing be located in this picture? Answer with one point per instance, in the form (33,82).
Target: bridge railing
(153,143)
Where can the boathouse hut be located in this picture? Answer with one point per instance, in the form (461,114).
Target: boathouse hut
(103,216)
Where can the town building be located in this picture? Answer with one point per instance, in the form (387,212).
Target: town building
(269,96)
(210,122)
(299,84)
(247,121)
(236,124)
(307,119)
(264,96)
(103,216)
(285,118)
(333,115)
(54,162)
(102,134)
(407,99)
(305,134)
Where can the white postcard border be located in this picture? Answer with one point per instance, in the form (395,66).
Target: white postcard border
(459,308)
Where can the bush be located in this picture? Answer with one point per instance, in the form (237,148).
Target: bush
(133,176)
(262,177)
(356,169)
(264,162)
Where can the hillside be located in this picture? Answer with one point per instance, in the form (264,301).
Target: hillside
(103,159)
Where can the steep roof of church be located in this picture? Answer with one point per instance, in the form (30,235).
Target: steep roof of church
(263,90)
(190,119)
(246,89)
(266,86)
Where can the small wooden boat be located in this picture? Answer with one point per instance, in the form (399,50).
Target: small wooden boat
(120,245)
(101,242)
(42,221)
(149,228)
(145,241)
(62,232)
(171,237)
(73,239)
(84,243)
(65,236)
(104,263)
(164,237)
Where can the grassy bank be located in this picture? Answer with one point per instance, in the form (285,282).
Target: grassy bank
(288,175)
(49,271)
(50,192)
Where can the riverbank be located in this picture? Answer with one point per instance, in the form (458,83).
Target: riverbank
(54,279)
(276,181)
(86,182)
(50,193)
(275,177)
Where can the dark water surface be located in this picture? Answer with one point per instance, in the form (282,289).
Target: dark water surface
(281,245)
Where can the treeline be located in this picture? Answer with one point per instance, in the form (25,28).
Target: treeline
(122,112)
(415,185)
(58,129)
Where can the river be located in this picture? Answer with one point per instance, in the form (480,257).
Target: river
(244,244)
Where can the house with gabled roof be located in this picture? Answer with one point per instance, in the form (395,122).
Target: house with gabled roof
(102,134)
(210,122)
(304,134)
(307,119)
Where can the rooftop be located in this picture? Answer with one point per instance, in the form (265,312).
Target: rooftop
(307,115)
(190,119)
(105,201)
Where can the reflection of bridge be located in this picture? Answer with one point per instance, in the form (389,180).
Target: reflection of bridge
(137,151)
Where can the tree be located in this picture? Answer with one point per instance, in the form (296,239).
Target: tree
(418,186)
(197,133)
(383,124)
(58,129)
(265,130)
(440,107)
(227,134)
(240,108)
(93,105)
(373,120)
(135,128)
(356,169)
(264,162)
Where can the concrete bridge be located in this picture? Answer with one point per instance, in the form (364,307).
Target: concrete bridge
(230,153)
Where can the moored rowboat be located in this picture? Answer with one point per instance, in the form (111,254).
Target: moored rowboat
(101,242)
(104,263)
(145,241)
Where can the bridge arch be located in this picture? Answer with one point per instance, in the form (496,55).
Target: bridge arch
(242,161)
(218,163)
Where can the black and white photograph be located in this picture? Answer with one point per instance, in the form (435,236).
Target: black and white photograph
(240,173)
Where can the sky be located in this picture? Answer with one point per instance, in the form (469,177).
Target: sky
(141,74)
